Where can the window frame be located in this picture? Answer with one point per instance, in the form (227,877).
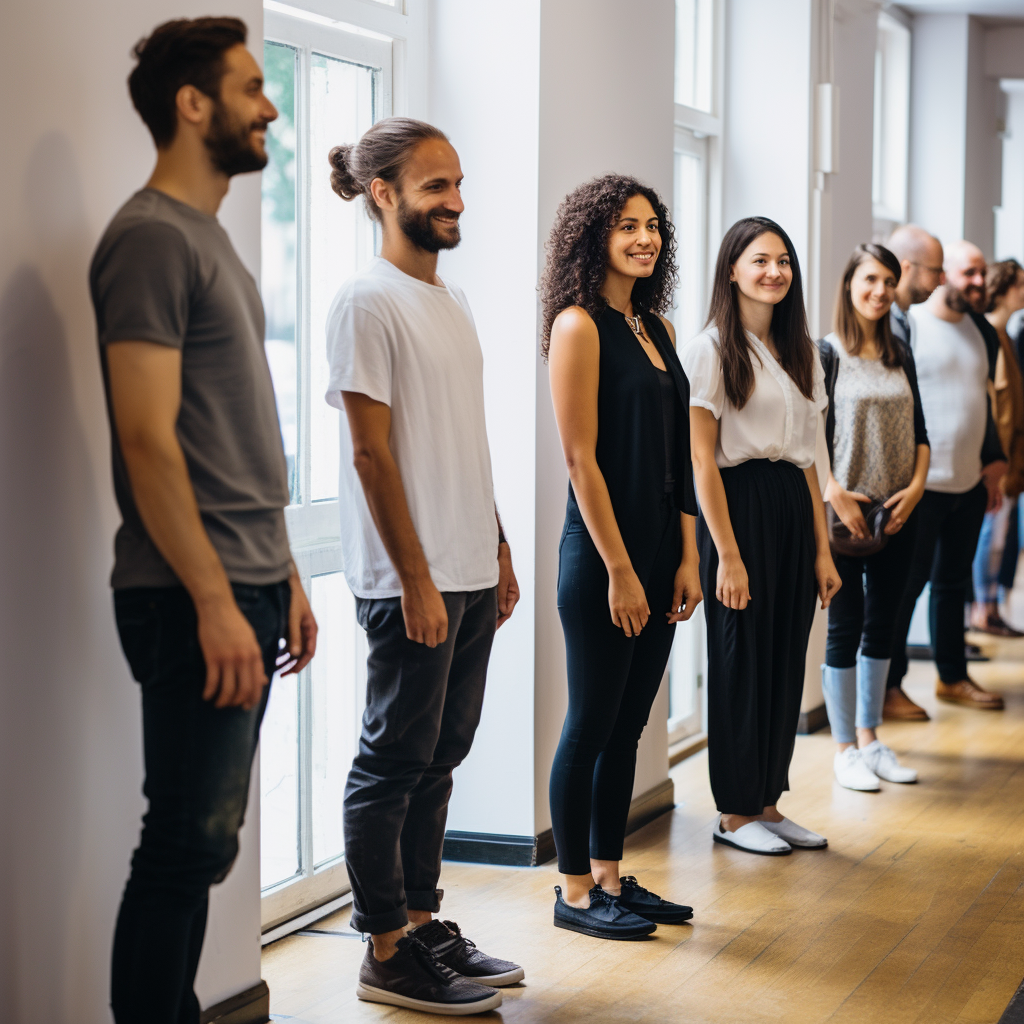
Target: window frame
(890,164)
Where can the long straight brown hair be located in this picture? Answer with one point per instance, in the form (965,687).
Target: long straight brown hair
(845,322)
(789,322)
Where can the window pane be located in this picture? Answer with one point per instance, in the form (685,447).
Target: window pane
(686,672)
(689,226)
(279,784)
(341,237)
(694,53)
(278,272)
(336,715)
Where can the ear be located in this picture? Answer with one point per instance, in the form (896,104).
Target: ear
(192,105)
(383,194)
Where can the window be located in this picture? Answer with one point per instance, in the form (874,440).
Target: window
(330,82)
(891,124)
(695,32)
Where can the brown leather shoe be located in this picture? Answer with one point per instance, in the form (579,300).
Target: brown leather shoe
(968,693)
(898,707)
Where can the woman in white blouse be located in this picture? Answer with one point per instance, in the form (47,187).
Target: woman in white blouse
(756,396)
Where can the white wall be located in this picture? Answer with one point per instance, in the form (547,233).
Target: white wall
(70,751)
(1010,217)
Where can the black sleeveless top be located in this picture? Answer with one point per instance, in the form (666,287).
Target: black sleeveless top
(631,444)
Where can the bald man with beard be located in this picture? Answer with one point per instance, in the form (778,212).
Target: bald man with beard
(955,350)
(920,256)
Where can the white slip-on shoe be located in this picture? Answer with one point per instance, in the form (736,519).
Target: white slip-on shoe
(852,771)
(754,838)
(882,761)
(796,835)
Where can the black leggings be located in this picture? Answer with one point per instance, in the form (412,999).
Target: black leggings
(862,616)
(613,680)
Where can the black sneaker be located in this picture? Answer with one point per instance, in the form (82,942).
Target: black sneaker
(445,940)
(604,918)
(641,901)
(415,979)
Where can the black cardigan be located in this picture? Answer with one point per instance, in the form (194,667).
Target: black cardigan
(830,364)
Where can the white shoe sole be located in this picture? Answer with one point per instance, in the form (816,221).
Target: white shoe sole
(508,978)
(859,789)
(900,782)
(381,995)
(726,841)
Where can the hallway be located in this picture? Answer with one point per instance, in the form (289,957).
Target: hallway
(914,914)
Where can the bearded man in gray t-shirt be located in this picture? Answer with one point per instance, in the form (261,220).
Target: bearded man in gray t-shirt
(204,584)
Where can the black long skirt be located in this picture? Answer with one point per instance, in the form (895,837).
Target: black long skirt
(756,656)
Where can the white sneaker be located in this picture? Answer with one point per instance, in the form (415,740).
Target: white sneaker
(796,835)
(882,761)
(754,838)
(852,771)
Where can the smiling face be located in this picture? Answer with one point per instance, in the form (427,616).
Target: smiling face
(764,272)
(428,201)
(965,278)
(634,241)
(872,290)
(236,135)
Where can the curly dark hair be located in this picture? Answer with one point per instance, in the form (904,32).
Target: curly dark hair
(577,252)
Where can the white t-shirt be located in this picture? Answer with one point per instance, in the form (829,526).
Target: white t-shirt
(414,347)
(777,422)
(952,376)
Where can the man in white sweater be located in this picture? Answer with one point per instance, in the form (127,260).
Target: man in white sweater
(967,464)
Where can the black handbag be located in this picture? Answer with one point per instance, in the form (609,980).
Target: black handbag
(842,542)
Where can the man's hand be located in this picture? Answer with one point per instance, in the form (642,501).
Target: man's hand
(426,617)
(302,630)
(235,676)
(992,476)
(686,592)
(508,587)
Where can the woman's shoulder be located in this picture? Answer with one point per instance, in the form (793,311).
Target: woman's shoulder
(705,342)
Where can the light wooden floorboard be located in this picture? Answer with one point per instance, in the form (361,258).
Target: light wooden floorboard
(914,915)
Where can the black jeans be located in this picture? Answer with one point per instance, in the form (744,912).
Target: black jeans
(862,616)
(947,535)
(613,680)
(422,708)
(197,759)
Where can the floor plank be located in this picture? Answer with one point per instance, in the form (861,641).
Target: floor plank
(914,915)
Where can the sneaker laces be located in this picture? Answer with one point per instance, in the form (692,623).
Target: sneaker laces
(426,958)
(598,895)
(457,936)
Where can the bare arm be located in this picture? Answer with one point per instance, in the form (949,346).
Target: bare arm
(824,568)
(574,362)
(732,586)
(145,393)
(369,421)
(508,585)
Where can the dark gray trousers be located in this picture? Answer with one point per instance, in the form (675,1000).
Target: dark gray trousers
(422,708)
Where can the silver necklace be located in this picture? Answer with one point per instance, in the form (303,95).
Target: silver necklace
(634,323)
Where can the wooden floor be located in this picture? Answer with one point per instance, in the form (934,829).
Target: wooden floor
(915,913)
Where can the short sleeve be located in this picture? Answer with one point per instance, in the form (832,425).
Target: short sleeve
(141,285)
(703,367)
(818,394)
(359,355)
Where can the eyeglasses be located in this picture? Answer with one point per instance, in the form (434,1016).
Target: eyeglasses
(924,266)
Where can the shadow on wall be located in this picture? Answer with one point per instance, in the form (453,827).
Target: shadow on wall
(69,748)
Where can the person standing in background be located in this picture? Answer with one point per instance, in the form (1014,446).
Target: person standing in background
(425,557)
(757,392)
(878,453)
(920,258)
(954,362)
(627,560)
(1004,283)
(204,584)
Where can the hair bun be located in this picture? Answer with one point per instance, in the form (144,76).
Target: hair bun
(342,180)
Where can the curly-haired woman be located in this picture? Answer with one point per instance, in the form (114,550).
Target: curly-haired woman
(757,392)
(627,557)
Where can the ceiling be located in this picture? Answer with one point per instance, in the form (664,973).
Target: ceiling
(983,8)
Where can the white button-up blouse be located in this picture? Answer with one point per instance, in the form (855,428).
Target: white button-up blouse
(777,422)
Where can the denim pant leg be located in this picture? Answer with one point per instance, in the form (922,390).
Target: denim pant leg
(396,797)
(198,760)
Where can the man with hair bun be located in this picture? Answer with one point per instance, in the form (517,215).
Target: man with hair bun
(425,557)
(204,584)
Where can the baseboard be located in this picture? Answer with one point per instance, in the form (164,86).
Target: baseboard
(249,1007)
(1014,1012)
(812,720)
(528,851)
(686,748)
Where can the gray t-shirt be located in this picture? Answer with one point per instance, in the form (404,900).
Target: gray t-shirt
(167,273)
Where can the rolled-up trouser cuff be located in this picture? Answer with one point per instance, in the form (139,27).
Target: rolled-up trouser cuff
(428,899)
(378,924)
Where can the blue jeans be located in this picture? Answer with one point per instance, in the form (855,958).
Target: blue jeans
(993,557)
(198,760)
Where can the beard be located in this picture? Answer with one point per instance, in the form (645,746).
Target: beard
(419,227)
(967,300)
(230,144)
(918,293)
